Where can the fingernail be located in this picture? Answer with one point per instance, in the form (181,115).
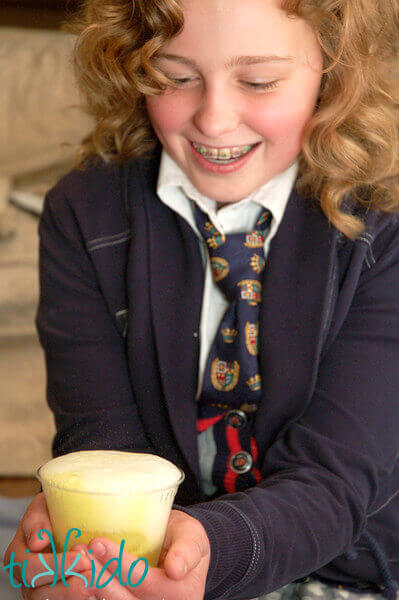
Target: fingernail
(84,558)
(180,565)
(98,548)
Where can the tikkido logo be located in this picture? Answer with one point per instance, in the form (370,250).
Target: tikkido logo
(69,572)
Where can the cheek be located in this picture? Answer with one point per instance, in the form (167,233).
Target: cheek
(283,119)
(168,114)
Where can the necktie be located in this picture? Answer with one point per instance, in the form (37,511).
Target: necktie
(231,389)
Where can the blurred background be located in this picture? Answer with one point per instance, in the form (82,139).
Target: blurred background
(40,124)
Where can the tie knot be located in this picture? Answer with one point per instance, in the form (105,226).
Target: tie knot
(237,259)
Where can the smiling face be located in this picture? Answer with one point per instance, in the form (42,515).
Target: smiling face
(224,106)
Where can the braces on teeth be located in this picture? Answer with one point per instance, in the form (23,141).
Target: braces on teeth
(222,154)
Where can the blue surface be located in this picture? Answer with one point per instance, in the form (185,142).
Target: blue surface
(11,511)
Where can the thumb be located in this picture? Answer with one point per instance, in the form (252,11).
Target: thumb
(185,553)
(35,519)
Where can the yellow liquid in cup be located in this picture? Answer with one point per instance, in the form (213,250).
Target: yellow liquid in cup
(134,503)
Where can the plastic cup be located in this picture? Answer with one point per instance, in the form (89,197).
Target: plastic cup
(117,495)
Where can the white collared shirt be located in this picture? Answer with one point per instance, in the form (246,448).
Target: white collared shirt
(175,189)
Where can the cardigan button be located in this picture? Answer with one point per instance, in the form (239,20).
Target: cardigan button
(235,418)
(241,462)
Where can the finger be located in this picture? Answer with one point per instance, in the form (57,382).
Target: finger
(22,565)
(19,544)
(43,568)
(188,547)
(75,591)
(36,517)
(59,567)
(142,582)
(107,583)
(183,556)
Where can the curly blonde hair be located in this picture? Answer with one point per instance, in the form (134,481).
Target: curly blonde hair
(350,147)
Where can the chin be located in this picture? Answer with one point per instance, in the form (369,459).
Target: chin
(225,196)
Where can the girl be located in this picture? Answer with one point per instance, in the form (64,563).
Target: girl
(220,284)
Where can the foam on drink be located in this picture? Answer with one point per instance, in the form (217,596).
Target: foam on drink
(117,472)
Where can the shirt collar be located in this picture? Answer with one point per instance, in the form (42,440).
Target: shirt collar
(273,195)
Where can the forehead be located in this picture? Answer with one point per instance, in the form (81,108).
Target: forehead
(235,27)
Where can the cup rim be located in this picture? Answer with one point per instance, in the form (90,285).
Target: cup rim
(93,493)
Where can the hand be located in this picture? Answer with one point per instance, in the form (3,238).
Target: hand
(186,543)
(26,546)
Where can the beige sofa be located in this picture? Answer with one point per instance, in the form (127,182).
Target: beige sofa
(40,121)
(39,127)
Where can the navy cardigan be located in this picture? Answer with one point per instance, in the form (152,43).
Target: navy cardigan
(121,291)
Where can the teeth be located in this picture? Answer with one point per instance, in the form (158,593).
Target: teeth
(222,153)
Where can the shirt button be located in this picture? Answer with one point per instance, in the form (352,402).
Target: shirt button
(235,418)
(241,462)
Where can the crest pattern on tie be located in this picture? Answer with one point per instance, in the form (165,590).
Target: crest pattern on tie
(231,389)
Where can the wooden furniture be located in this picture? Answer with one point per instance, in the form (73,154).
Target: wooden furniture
(41,14)
(15,487)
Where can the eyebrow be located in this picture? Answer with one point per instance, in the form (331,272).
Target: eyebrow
(234,61)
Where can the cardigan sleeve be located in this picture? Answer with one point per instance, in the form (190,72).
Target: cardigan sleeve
(88,385)
(328,470)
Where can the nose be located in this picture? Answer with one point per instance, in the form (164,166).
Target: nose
(217,113)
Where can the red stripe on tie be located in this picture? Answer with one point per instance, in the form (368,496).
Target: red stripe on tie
(254,452)
(254,449)
(233,442)
(257,475)
(203,424)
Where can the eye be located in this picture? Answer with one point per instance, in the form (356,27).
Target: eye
(182,81)
(261,85)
